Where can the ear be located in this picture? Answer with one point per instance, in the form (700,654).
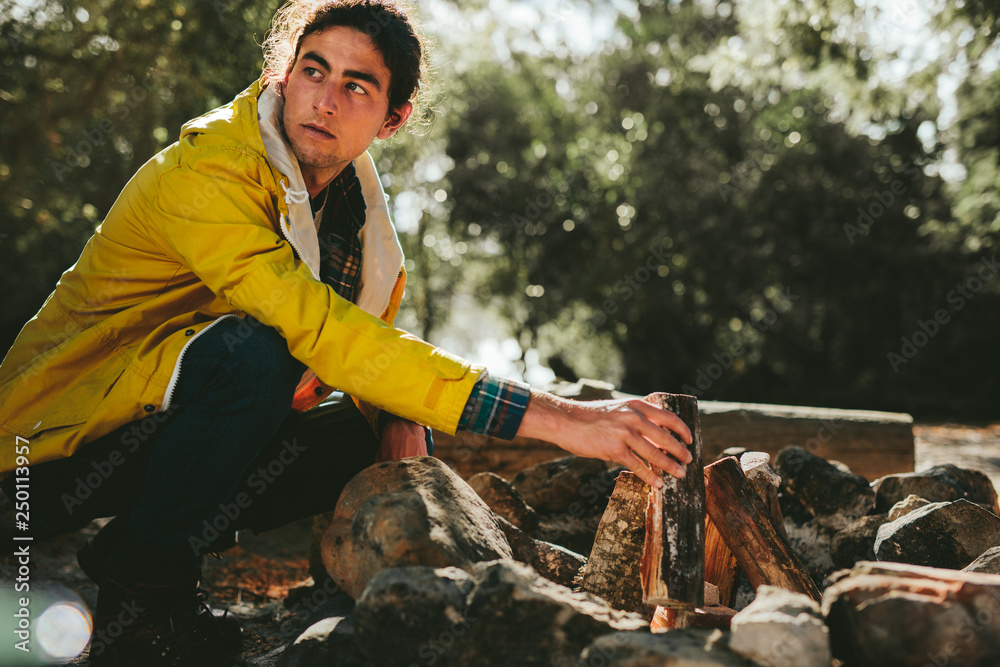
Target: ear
(395,120)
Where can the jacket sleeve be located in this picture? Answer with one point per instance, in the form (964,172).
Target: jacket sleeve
(214,216)
(370,411)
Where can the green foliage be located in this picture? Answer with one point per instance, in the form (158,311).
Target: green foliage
(763,200)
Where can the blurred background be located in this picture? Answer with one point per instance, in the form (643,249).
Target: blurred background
(779,201)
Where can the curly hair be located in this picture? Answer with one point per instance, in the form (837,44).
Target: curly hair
(388,23)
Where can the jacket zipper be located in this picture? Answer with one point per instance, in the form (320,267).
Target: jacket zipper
(180,357)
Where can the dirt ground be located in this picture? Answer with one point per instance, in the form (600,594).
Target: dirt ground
(265,580)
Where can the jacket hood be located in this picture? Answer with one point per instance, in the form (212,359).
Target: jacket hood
(254,120)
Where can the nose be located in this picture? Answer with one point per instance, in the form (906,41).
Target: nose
(327,101)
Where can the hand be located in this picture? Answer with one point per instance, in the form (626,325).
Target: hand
(401,438)
(632,432)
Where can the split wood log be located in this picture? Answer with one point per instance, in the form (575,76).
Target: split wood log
(765,481)
(612,571)
(721,567)
(672,568)
(749,531)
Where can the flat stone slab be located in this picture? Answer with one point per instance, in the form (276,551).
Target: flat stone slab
(872,444)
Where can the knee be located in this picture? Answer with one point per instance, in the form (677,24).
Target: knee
(254,355)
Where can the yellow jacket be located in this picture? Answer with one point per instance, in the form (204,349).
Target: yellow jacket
(216,225)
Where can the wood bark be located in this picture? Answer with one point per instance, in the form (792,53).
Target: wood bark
(673,562)
(612,571)
(749,530)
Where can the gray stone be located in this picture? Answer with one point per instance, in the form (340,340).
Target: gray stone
(949,535)
(551,561)
(503,498)
(329,641)
(413,511)
(834,496)
(938,484)
(987,563)
(677,648)
(906,505)
(811,542)
(781,629)
(878,619)
(499,613)
(857,541)
(523,619)
(571,485)
(411,614)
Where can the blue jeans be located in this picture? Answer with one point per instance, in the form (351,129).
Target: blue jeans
(229,454)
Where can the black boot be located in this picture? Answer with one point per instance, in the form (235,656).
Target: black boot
(150,610)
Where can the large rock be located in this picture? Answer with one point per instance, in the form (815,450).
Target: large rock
(409,615)
(570,485)
(781,629)
(503,498)
(499,613)
(908,616)
(857,541)
(413,511)
(677,648)
(938,484)
(987,563)
(949,535)
(832,494)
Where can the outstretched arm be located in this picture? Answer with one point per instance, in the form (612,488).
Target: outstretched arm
(637,434)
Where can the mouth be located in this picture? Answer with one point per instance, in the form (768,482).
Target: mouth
(317,131)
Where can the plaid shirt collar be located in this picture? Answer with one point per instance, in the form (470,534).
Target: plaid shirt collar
(339,219)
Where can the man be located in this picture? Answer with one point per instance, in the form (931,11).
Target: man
(246,270)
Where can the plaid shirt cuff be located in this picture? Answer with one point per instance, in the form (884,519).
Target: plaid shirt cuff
(495,407)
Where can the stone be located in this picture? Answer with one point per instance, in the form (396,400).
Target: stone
(523,619)
(949,535)
(677,648)
(834,496)
(576,534)
(781,629)
(411,615)
(891,614)
(504,500)
(571,485)
(497,613)
(413,511)
(329,641)
(906,505)
(938,484)
(987,563)
(551,561)
(856,542)
(811,542)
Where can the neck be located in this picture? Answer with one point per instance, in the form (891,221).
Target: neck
(317,179)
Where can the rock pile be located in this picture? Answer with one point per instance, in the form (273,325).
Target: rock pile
(443,572)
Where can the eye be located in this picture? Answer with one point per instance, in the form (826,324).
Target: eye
(356,87)
(311,72)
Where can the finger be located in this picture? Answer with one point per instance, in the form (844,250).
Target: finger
(658,459)
(656,440)
(641,469)
(664,418)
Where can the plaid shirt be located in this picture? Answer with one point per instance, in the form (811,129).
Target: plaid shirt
(496,405)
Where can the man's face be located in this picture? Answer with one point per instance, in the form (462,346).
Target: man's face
(337,102)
